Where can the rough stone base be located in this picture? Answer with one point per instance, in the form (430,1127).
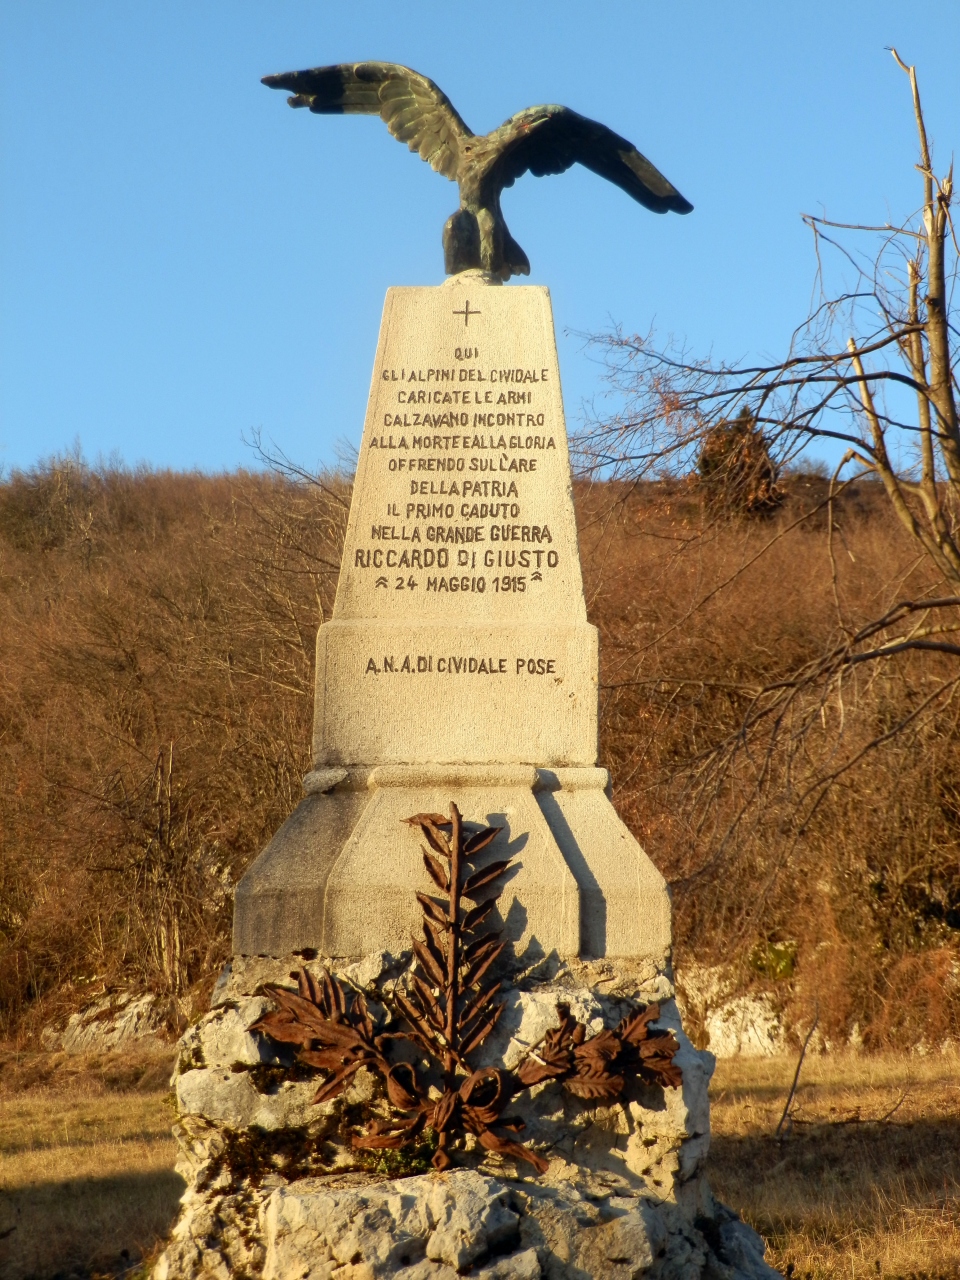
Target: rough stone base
(274,1189)
(441,1226)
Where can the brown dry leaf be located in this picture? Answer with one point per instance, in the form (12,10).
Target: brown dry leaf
(432,964)
(427,819)
(479,840)
(480,967)
(474,1038)
(477,915)
(504,1147)
(433,910)
(478,1003)
(403,1088)
(602,1087)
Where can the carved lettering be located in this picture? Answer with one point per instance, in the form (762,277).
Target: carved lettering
(460,665)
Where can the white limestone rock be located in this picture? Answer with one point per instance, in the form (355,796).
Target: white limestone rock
(743,1250)
(528,1016)
(621,1199)
(440,1226)
(519,1266)
(232,1099)
(109,1023)
(224,1039)
(453,1220)
(746,1027)
(733,1023)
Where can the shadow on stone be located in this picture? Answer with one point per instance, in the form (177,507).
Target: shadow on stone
(593,906)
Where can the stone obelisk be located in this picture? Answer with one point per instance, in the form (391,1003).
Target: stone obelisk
(458,668)
(458,662)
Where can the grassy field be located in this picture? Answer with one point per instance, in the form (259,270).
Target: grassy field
(865,1182)
(87,1187)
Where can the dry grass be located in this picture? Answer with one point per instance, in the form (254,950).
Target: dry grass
(862,882)
(87,1186)
(866,1179)
(87,1181)
(156,660)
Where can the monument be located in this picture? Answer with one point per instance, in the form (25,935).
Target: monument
(458,666)
(459,659)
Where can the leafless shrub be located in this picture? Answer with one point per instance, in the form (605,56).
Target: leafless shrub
(156,700)
(862,887)
(737,474)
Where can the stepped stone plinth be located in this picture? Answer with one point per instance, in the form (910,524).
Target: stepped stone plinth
(459,662)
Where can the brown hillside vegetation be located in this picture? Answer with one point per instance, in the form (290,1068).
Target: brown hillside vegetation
(156,650)
(156,645)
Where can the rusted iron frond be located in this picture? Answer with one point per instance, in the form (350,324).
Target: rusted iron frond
(601,1066)
(331,1033)
(447,1012)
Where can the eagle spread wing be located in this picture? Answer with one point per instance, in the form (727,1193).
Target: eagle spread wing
(414,109)
(550,139)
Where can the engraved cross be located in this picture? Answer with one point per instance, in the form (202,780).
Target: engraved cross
(467,313)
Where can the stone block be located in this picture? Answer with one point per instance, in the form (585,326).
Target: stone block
(624,900)
(387,1228)
(367,713)
(369,901)
(278,905)
(340,875)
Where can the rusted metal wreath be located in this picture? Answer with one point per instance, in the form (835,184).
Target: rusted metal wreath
(448,1011)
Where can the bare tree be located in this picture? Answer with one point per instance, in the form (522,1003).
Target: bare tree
(874,366)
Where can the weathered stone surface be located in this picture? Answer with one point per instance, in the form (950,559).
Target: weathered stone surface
(222,1038)
(743,1250)
(370,900)
(732,1023)
(279,903)
(464,443)
(245,975)
(107,1024)
(527,1017)
(518,1266)
(624,907)
(231,1098)
(454,1220)
(440,1226)
(338,876)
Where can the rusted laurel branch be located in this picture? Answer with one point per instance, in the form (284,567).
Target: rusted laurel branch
(449,1009)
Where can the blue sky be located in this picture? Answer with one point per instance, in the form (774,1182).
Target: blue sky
(183,259)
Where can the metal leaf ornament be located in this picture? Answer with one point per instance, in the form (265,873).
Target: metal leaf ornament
(449,1009)
(332,1034)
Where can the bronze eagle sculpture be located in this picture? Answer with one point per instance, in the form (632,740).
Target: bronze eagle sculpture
(541,140)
